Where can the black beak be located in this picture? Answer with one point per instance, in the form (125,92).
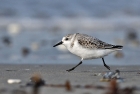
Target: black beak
(58,44)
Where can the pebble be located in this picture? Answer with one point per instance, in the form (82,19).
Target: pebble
(13,81)
(97,74)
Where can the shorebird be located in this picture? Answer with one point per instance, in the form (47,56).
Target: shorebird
(87,47)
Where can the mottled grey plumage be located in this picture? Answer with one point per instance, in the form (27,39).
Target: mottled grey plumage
(92,43)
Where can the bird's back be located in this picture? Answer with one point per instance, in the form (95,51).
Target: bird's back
(92,43)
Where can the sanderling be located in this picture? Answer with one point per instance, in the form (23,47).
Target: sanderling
(87,47)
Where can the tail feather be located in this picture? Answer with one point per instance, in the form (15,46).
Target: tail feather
(117,47)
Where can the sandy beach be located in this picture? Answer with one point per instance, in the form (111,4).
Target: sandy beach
(57,74)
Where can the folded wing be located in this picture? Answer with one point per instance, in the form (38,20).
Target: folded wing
(93,43)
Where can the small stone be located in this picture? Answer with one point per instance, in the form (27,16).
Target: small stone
(97,74)
(13,81)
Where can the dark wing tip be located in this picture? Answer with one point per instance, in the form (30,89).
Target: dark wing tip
(118,46)
(115,47)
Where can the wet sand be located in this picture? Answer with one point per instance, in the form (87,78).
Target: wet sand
(57,74)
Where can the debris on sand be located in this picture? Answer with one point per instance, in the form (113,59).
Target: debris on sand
(68,86)
(112,75)
(36,83)
(97,74)
(13,81)
(115,89)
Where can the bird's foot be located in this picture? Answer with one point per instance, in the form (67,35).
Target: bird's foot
(107,67)
(70,69)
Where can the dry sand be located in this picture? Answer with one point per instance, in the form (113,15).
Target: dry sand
(57,74)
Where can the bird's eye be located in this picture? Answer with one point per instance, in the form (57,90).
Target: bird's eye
(66,39)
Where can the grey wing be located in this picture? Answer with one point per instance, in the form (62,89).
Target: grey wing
(92,43)
(103,45)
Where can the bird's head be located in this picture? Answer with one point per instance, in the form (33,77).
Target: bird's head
(66,40)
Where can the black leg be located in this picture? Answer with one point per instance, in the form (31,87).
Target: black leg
(74,67)
(105,64)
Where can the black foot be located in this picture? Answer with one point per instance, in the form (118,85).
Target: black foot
(107,67)
(70,69)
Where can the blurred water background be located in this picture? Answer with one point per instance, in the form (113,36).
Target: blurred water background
(29,29)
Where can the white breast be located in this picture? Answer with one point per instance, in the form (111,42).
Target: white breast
(88,53)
